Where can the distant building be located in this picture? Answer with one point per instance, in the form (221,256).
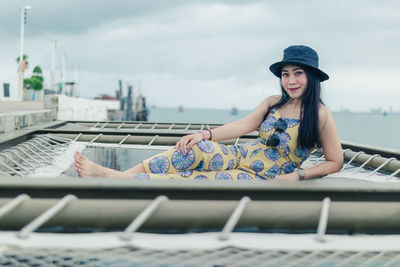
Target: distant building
(105,97)
(376,110)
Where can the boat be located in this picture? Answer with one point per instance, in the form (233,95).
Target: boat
(48,215)
(234,111)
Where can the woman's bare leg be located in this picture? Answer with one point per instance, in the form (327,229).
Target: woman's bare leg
(137,169)
(86,167)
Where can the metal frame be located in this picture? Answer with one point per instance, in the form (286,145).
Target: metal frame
(45,144)
(321,206)
(26,215)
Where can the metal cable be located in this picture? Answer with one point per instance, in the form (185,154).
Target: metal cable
(326,259)
(21,158)
(77,137)
(29,156)
(15,202)
(34,152)
(55,143)
(46,148)
(351,160)
(152,140)
(94,127)
(5,173)
(59,138)
(11,168)
(123,140)
(104,125)
(323,220)
(237,141)
(44,217)
(30,143)
(290,254)
(395,173)
(94,139)
(380,254)
(312,254)
(53,140)
(234,218)
(366,162)
(344,263)
(389,263)
(13,161)
(142,217)
(381,166)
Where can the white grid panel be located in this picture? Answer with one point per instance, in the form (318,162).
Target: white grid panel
(228,256)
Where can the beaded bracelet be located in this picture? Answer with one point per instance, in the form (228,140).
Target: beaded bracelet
(203,134)
(209,130)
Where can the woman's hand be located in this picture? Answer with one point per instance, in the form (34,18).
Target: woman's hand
(187,142)
(294,176)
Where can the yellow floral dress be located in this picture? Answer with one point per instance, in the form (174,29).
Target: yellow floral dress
(250,161)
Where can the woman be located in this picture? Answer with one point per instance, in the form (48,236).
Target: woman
(290,127)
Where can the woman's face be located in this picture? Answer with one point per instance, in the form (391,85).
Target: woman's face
(294,81)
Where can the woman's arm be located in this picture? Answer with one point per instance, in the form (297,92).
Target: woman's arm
(231,130)
(330,145)
(243,126)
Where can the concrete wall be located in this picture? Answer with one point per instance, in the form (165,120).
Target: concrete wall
(21,114)
(18,120)
(71,108)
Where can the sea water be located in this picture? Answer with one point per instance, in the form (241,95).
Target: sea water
(362,128)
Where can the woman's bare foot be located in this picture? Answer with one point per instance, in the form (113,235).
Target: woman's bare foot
(86,167)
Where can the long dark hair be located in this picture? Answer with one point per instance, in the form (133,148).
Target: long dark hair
(308,131)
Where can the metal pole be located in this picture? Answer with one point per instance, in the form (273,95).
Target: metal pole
(75,80)
(53,65)
(21,56)
(63,73)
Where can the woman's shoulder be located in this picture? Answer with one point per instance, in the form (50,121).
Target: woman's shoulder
(323,111)
(324,115)
(272,100)
(269,102)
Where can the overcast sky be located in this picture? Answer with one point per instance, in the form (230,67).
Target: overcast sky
(211,54)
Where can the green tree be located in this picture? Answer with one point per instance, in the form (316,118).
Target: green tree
(36,81)
(25,58)
(27,83)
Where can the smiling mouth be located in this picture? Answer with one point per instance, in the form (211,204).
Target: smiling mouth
(294,89)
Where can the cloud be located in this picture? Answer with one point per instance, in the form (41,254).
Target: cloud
(210,53)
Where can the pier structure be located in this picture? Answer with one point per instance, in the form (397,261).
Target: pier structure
(347,217)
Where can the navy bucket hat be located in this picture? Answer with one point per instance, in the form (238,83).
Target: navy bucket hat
(299,55)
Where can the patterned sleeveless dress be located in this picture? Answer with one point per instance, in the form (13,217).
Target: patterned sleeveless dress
(254,160)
